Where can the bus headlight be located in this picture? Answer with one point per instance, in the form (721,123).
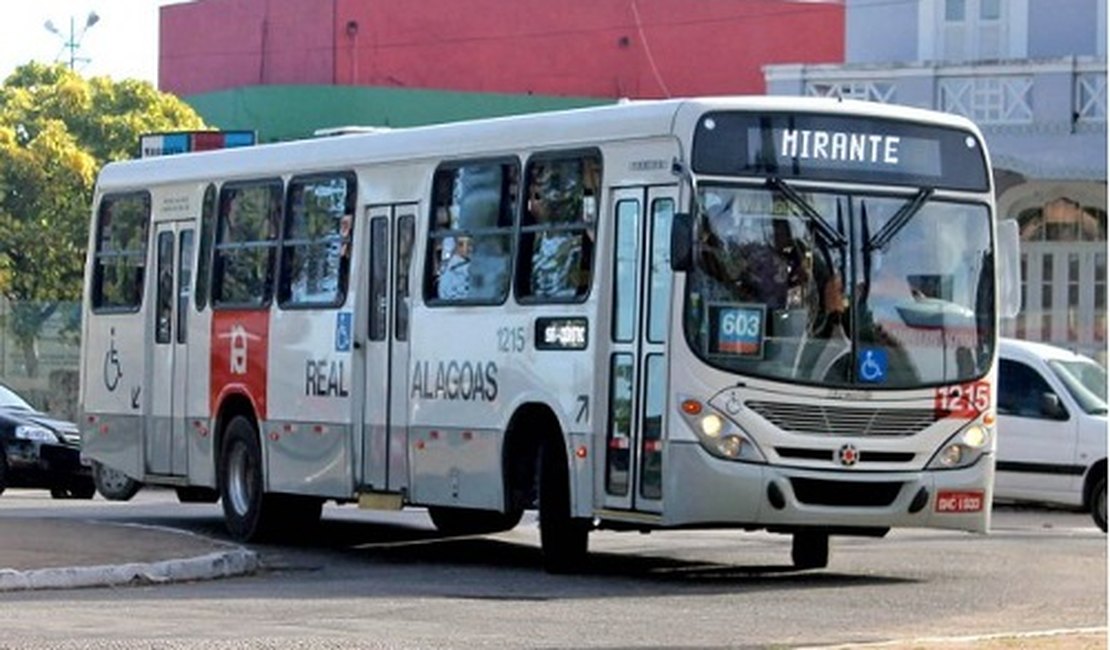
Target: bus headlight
(965,448)
(718,434)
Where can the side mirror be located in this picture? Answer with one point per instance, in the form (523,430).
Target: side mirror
(682,242)
(1051,407)
(1009,268)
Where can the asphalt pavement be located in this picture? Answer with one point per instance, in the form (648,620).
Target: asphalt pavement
(60,553)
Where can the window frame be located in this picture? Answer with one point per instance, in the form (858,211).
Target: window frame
(96,291)
(523,269)
(282,279)
(206,245)
(434,234)
(216,286)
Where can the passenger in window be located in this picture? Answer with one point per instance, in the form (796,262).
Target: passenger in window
(560,253)
(454,275)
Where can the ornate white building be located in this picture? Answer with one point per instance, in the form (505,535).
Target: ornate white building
(1032,74)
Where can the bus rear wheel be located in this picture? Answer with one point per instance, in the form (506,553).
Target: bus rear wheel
(113,484)
(563,538)
(810,550)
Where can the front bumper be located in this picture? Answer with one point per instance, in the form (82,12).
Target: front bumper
(40,464)
(719,492)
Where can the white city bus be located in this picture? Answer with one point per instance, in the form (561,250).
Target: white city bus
(761,313)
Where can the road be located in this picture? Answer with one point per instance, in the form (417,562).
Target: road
(368,579)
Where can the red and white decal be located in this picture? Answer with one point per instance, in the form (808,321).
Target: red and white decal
(240,346)
(963,401)
(954,501)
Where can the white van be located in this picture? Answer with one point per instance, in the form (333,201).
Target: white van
(1051,428)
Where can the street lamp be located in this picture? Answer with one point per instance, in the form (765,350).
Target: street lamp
(73,41)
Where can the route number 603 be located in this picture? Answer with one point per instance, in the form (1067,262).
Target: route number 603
(738,323)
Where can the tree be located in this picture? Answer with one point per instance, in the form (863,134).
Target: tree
(56,130)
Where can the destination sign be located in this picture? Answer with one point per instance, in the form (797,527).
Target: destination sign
(838,148)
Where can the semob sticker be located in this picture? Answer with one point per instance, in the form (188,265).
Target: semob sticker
(737,329)
(959,501)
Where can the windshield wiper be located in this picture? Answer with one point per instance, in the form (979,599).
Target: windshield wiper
(826,231)
(900,219)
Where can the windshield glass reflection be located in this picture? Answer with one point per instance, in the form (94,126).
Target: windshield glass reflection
(773,294)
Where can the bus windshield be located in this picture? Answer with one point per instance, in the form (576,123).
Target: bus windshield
(841,289)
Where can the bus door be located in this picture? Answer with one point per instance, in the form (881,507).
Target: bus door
(637,366)
(385,403)
(164,433)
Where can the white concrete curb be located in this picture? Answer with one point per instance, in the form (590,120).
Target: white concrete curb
(221,564)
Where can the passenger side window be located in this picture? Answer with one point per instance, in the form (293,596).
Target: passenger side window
(1023,392)
(471,234)
(557,229)
(246,244)
(316,243)
(120,258)
(204,259)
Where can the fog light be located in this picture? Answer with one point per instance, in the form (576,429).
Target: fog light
(711,425)
(951,455)
(731,446)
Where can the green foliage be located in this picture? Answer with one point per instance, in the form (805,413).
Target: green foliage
(56,130)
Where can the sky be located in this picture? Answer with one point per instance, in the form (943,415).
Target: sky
(122,44)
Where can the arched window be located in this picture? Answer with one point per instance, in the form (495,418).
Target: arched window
(1062,220)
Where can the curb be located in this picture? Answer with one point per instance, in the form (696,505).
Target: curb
(211,566)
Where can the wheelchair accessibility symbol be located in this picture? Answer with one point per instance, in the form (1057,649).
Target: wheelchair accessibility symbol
(872,365)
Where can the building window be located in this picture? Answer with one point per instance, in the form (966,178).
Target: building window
(974,30)
(317,240)
(471,235)
(557,231)
(1063,220)
(120,259)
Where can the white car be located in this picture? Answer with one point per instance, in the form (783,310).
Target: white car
(1051,428)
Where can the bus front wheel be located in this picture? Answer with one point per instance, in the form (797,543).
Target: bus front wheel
(810,550)
(563,538)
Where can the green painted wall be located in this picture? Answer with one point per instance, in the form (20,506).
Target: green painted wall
(292,112)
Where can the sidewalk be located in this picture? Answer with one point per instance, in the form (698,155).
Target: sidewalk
(58,554)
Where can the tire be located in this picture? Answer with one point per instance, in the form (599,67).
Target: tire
(810,550)
(193,494)
(82,489)
(59,493)
(1098,503)
(563,539)
(3,469)
(251,514)
(468,521)
(113,484)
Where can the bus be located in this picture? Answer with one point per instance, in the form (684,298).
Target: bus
(764,313)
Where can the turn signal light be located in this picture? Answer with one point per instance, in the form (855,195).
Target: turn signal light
(691,407)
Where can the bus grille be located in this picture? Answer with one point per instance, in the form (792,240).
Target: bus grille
(842,421)
(817,492)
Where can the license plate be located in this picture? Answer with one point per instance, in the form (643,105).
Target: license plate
(950,501)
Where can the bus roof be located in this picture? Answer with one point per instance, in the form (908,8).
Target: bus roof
(485,137)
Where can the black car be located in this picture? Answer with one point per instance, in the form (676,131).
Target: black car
(38,451)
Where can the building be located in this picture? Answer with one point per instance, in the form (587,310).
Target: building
(577,48)
(1032,74)
(288,67)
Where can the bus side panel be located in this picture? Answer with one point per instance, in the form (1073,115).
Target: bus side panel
(458,407)
(115,374)
(308,435)
(200,420)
